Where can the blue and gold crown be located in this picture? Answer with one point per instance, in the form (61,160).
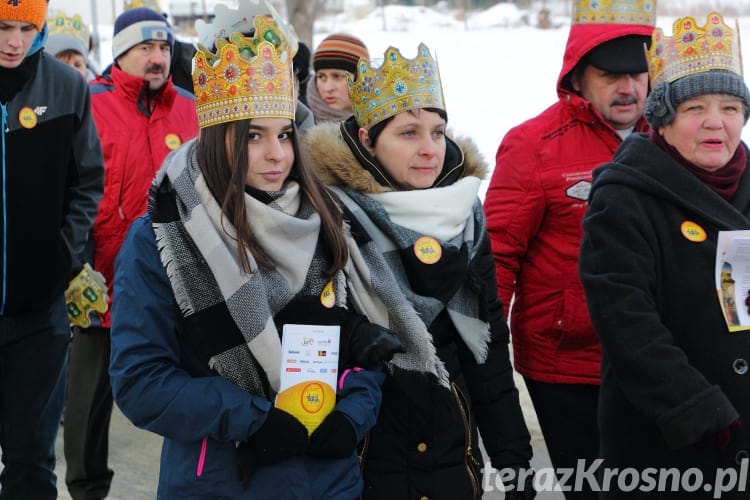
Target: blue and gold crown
(73,26)
(398,85)
(614,12)
(245,78)
(693,49)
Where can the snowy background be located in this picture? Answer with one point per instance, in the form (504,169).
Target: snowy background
(497,69)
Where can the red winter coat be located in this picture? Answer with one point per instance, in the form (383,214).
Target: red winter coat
(134,144)
(535,204)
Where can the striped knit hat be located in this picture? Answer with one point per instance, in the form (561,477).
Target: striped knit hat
(25,11)
(340,51)
(137,26)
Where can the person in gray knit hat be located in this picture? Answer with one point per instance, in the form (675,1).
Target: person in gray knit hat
(666,97)
(658,270)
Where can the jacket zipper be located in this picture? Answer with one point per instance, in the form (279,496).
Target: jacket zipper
(4,214)
(363,452)
(469,457)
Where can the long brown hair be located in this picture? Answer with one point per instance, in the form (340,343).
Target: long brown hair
(225,178)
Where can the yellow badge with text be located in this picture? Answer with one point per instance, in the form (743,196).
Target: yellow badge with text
(428,250)
(693,232)
(328,296)
(27,118)
(172,141)
(310,402)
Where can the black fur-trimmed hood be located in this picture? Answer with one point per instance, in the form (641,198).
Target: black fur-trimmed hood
(325,149)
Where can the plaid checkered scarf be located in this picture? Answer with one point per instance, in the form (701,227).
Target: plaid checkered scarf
(230,312)
(453,214)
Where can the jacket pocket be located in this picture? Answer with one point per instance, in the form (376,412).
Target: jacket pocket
(571,320)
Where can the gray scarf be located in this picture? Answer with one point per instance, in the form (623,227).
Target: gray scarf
(198,250)
(393,239)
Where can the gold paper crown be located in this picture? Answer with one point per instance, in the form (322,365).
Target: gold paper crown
(614,12)
(246,78)
(69,25)
(134,4)
(398,85)
(693,49)
(240,20)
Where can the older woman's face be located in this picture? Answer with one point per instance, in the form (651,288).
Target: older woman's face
(706,130)
(411,148)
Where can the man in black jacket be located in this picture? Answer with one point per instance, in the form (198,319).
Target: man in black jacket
(50,185)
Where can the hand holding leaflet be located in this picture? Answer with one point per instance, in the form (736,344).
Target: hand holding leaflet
(309,369)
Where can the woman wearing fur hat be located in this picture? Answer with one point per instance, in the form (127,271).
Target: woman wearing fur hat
(674,371)
(335,58)
(241,239)
(415,191)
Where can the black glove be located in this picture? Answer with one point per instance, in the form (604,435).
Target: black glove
(334,438)
(371,345)
(280,438)
(523,491)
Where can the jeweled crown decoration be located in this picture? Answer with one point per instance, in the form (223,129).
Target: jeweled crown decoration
(245,78)
(398,85)
(240,20)
(135,4)
(614,12)
(264,30)
(693,49)
(73,26)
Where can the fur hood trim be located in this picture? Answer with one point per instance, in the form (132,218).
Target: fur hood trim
(323,148)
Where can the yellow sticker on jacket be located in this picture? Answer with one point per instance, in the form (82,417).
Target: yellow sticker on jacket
(27,117)
(328,296)
(172,141)
(428,250)
(693,232)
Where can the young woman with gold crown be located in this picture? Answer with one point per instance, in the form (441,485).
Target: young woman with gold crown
(415,189)
(240,241)
(657,235)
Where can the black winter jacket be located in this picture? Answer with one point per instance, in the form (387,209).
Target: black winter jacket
(53,180)
(672,373)
(425,442)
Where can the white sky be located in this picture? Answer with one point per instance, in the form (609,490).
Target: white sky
(496,70)
(495,75)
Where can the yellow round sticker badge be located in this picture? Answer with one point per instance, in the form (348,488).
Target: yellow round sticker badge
(172,141)
(693,232)
(328,296)
(428,250)
(313,397)
(27,117)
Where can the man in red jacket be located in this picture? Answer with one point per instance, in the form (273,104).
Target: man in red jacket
(140,116)
(535,203)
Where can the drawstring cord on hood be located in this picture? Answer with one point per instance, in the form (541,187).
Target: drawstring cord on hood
(4,214)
